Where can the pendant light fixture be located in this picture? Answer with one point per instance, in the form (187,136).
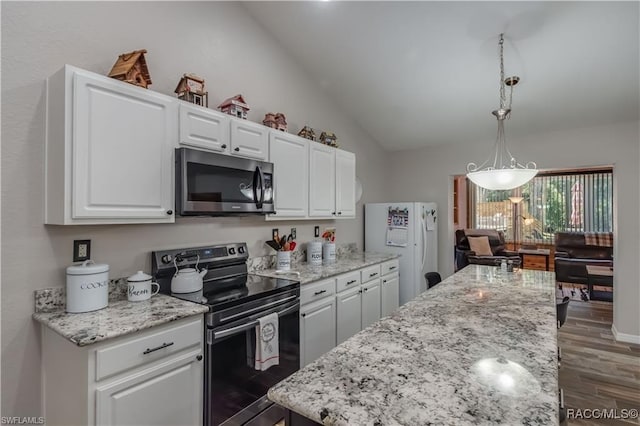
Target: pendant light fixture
(505,172)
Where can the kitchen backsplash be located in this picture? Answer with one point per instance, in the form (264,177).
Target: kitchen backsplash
(54,299)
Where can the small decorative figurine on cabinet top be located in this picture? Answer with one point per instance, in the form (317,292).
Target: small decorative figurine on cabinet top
(132,68)
(307,133)
(269,120)
(328,138)
(235,106)
(281,122)
(191,89)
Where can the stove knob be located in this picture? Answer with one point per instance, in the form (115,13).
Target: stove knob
(232,250)
(167,258)
(241,249)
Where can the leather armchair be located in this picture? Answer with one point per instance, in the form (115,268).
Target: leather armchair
(465,256)
(573,255)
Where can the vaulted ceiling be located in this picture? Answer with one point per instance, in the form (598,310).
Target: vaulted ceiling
(415,74)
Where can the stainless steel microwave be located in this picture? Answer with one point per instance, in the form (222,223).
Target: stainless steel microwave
(209,184)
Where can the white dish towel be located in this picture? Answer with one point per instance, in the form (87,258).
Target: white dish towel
(267,351)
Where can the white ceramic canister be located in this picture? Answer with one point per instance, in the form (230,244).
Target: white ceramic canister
(87,287)
(140,287)
(328,253)
(314,253)
(283,259)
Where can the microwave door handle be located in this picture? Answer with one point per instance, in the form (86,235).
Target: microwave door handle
(259,205)
(254,186)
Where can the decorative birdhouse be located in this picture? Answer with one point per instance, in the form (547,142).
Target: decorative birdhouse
(132,68)
(328,138)
(270,120)
(307,133)
(191,89)
(235,106)
(281,122)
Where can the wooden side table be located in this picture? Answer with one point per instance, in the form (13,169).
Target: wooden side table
(601,276)
(535,258)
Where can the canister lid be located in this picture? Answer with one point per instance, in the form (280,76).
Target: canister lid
(88,267)
(139,277)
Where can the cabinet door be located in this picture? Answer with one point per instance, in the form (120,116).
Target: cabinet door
(249,139)
(322,181)
(169,394)
(317,329)
(345,184)
(370,303)
(204,128)
(348,314)
(390,294)
(290,156)
(122,151)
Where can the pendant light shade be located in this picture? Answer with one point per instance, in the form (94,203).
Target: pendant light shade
(505,172)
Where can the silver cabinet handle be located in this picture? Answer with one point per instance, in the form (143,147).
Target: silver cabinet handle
(162,346)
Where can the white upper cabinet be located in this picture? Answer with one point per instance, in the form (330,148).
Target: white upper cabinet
(345,184)
(290,156)
(109,156)
(322,181)
(249,139)
(204,128)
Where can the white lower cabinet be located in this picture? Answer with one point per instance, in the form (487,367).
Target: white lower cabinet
(317,329)
(152,377)
(370,303)
(165,395)
(390,293)
(349,313)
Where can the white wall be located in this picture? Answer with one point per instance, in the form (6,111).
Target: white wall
(425,175)
(218,41)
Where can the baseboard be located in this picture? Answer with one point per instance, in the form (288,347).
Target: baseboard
(623,337)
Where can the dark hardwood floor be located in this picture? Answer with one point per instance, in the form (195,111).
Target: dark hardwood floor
(596,371)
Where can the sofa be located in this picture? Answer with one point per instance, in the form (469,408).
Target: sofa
(465,256)
(575,250)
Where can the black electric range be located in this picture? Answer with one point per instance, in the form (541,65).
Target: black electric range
(234,392)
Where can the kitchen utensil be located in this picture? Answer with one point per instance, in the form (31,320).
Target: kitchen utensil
(274,245)
(287,246)
(139,287)
(292,245)
(283,240)
(187,280)
(87,287)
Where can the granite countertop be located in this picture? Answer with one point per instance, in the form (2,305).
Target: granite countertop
(121,317)
(345,263)
(478,348)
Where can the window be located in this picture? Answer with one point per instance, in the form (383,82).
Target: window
(553,201)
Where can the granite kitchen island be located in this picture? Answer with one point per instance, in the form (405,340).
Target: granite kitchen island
(478,348)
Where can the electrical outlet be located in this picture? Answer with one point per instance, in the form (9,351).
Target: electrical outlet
(316,231)
(293,233)
(81,250)
(274,234)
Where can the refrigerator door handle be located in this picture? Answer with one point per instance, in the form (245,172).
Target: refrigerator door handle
(424,242)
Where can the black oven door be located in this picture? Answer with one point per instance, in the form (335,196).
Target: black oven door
(216,184)
(235,392)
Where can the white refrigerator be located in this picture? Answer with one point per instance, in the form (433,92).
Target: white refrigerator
(407,229)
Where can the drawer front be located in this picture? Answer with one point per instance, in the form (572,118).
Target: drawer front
(149,347)
(347,281)
(370,273)
(390,267)
(317,291)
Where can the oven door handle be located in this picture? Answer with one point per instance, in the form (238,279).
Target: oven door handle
(259,308)
(248,326)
